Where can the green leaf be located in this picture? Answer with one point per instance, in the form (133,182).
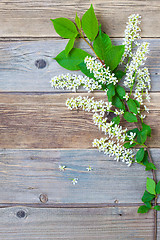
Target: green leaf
(157,207)
(65,27)
(151,185)
(86,71)
(113,56)
(158,188)
(128,145)
(116,120)
(142,136)
(130,117)
(119,74)
(145,159)
(121,92)
(78,21)
(150,166)
(71,61)
(140,155)
(117,102)
(143,209)
(147,128)
(132,106)
(148,204)
(90,24)
(137,103)
(101,44)
(147,197)
(69,46)
(110,92)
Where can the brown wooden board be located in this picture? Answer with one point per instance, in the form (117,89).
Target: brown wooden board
(43,121)
(32,18)
(29,65)
(75,223)
(27,174)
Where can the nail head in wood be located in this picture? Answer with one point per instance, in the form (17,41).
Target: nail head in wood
(40,63)
(43,198)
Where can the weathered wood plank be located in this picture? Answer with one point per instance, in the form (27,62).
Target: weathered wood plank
(43,121)
(19,72)
(26,174)
(32,18)
(92,224)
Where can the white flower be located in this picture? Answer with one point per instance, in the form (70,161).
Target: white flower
(147,96)
(89,169)
(142,116)
(62,168)
(120,112)
(126,96)
(131,136)
(74,181)
(129,163)
(146,109)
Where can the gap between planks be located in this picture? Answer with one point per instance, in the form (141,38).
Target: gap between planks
(70,205)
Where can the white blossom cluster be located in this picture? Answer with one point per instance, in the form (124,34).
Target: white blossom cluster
(103,75)
(137,61)
(73,82)
(115,133)
(112,148)
(143,83)
(139,76)
(89,104)
(131,34)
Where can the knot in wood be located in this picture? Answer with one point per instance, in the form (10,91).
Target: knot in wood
(40,63)
(43,198)
(21,214)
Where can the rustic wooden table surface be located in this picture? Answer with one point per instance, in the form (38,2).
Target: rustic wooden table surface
(37,132)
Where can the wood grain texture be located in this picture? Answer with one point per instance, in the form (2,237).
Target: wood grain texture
(26,174)
(18,71)
(92,224)
(43,121)
(32,18)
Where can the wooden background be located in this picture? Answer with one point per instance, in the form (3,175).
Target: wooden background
(37,132)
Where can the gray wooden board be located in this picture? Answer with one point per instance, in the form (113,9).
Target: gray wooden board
(32,18)
(19,73)
(113,223)
(26,174)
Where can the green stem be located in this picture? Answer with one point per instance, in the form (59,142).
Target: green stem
(92,48)
(140,144)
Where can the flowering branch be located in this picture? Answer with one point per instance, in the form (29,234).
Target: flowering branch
(102,73)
